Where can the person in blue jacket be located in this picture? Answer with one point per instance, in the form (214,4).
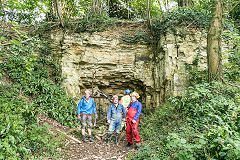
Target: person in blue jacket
(86,107)
(114,118)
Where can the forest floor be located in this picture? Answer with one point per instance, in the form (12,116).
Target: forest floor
(76,149)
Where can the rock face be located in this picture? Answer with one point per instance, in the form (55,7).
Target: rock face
(174,51)
(104,60)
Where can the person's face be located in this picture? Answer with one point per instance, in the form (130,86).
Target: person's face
(115,100)
(133,98)
(87,95)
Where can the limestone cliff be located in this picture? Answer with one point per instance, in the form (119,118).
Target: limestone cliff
(104,60)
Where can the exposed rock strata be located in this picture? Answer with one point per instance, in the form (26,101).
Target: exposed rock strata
(102,59)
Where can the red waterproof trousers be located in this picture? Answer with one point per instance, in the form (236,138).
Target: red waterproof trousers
(132,132)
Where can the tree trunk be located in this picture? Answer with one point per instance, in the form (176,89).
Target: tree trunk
(1,6)
(97,7)
(214,55)
(94,7)
(50,14)
(128,9)
(148,13)
(2,11)
(108,2)
(185,3)
(59,12)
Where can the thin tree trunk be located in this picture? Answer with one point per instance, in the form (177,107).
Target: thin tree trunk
(148,13)
(1,6)
(128,9)
(166,4)
(160,4)
(214,55)
(59,13)
(101,7)
(185,3)
(50,15)
(108,6)
(94,6)
(2,11)
(97,7)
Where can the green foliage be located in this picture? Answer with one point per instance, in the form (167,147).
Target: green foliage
(181,17)
(133,9)
(20,137)
(25,67)
(205,5)
(201,124)
(140,36)
(23,11)
(94,24)
(231,70)
(30,84)
(235,14)
(196,75)
(35,11)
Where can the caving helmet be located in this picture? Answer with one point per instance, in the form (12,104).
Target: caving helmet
(88,91)
(135,94)
(127,91)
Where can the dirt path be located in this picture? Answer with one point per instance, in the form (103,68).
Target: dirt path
(89,150)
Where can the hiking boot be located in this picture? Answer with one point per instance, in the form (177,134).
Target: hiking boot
(117,137)
(91,138)
(109,138)
(84,138)
(128,145)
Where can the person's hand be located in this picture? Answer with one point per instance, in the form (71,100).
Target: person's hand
(124,119)
(108,121)
(133,121)
(79,118)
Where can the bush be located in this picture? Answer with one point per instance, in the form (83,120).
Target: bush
(201,124)
(231,68)
(19,134)
(29,84)
(29,70)
(172,19)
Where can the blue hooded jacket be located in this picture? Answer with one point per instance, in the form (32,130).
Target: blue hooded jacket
(86,107)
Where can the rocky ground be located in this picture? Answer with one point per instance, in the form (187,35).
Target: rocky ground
(76,149)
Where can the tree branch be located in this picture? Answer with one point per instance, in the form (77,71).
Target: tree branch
(234,6)
(6,44)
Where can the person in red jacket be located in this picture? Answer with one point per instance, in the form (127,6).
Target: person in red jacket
(133,114)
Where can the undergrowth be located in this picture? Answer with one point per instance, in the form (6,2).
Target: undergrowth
(29,85)
(201,124)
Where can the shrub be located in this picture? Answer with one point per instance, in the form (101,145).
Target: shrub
(172,19)
(201,124)
(29,84)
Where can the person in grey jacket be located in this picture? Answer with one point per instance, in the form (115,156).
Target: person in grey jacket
(114,118)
